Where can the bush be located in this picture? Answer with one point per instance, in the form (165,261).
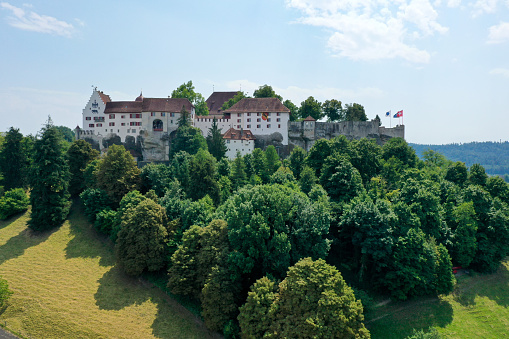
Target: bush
(107,221)
(14,201)
(94,200)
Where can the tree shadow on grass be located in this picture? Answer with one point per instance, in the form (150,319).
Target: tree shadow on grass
(401,318)
(118,290)
(17,245)
(86,242)
(11,219)
(493,286)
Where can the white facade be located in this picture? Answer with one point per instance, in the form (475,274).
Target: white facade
(93,114)
(122,124)
(243,146)
(205,123)
(276,122)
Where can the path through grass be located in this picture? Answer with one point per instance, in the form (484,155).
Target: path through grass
(66,285)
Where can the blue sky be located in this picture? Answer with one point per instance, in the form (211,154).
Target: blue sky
(444,62)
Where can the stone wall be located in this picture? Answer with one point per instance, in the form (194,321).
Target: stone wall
(305,133)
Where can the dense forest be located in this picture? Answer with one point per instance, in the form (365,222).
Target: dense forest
(493,156)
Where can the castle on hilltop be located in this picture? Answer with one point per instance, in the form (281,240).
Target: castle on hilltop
(146,126)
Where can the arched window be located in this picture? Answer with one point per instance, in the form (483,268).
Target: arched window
(157,125)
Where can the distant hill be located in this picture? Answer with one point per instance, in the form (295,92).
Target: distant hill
(494,156)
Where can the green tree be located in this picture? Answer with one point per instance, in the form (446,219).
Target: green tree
(399,149)
(370,231)
(117,173)
(296,161)
(187,138)
(366,158)
(155,177)
(141,244)
(67,133)
(272,162)
(239,96)
(50,181)
(94,201)
(355,112)
(202,175)
(307,179)
(321,150)
(464,244)
(266,91)
(238,173)
(260,164)
(340,179)
(282,176)
(294,110)
(14,160)
(315,302)
(457,173)
(477,175)
(255,316)
(311,107)
(187,91)
(215,141)
(498,188)
(79,154)
(333,110)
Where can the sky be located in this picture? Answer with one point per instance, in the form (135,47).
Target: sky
(445,63)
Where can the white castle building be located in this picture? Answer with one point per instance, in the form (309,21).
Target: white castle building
(153,121)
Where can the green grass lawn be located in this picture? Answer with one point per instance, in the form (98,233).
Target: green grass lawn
(66,285)
(478,308)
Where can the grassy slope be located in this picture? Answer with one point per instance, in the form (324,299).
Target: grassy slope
(66,285)
(478,308)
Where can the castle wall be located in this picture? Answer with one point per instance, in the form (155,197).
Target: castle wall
(305,133)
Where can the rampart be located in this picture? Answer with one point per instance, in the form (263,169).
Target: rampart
(305,133)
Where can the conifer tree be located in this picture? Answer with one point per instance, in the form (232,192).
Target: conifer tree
(50,181)
(215,141)
(79,154)
(13,160)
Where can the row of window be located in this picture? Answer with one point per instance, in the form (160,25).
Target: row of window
(258,120)
(132,123)
(259,126)
(258,114)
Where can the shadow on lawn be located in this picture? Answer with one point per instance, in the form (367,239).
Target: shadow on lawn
(86,243)
(16,246)
(401,318)
(11,219)
(493,286)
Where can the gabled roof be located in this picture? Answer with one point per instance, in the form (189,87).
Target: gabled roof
(166,105)
(123,107)
(105,98)
(235,134)
(310,118)
(216,101)
(258,105)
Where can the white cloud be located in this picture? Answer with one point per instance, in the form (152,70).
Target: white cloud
(31,21)
(453,3)
(373,29)
(484,6)
(499,33)
(500,71)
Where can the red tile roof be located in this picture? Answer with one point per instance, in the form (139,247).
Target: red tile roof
(148,105)
(258,105)
(123,107)
(105,98)
(217,99)
(235,134)
(310,118)
(165,105)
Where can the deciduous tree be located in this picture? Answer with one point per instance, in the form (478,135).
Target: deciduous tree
(311,107)
(79,154)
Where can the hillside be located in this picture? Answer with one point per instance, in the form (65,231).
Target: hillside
(494,156)
(66,285)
